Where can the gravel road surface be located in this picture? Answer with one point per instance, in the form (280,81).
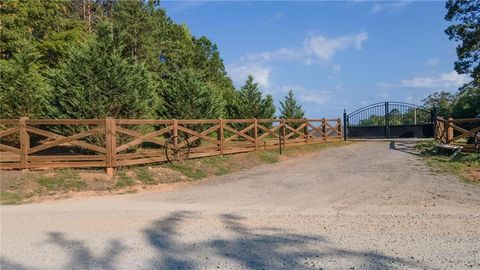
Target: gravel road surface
(368,205)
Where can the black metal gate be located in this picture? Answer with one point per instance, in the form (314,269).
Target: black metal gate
(389,120)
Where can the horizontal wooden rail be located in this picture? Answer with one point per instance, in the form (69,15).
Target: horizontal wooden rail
(464,132)
(109,143)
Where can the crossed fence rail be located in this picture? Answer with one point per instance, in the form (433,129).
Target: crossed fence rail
(109,143)
(462,132)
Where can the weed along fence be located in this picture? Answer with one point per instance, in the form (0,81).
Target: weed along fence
(462,132)
(56,143)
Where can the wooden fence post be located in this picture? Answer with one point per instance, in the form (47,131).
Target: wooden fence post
(255,133)
(175,134)
(24,143)
(305,131)
(110,145)
(220,136)
(339,128)
(324,129)
(449,130)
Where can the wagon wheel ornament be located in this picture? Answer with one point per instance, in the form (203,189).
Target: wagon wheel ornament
(178,151)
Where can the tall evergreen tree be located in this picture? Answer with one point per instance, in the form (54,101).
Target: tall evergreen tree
(250,104)
(94,81)
(144,48)
(249,100)
(41,26)
(188,96)
(23,90)
(289,108)
(267,108)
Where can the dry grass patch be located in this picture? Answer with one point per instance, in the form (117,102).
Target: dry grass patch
(21,187)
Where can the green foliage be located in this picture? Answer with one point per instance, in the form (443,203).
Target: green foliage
(427,147)
(467,101)
(442,100)
(94,81)
(10,197)
(289,108)
(45,26)
(250,104)
(466,31)
(189,96)
(92,59)
(188,171)
(465,15)
(220,163)
(23,90)
(267,108)
(144,176)
(268,156)
(460,164)
(124,180)
(62,180)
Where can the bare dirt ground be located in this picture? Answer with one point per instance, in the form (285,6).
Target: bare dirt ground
(368,205)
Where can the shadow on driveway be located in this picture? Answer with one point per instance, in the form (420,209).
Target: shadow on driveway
(261,248)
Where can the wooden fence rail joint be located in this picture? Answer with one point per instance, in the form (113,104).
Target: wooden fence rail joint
(108,143)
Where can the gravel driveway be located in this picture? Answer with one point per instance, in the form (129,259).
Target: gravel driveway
(368,205)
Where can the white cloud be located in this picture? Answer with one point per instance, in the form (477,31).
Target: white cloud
(433,62)
(239,73)
(320,47)
(325,48)
(318,98)
(280,54)
(314,48)
(274,18)
(388,6)
(446,80)
(305,95)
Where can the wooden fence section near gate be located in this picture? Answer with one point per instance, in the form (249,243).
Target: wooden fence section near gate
(56,143)
(463,132)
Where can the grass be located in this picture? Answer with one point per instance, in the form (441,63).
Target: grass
(62,180)
(268,156)
(220,164)
(144,176)
(124,180)
(188,170)
(36,185)
(462,165)
(10,197)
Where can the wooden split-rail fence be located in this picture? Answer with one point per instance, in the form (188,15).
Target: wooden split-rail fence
(461,132)
(110,143)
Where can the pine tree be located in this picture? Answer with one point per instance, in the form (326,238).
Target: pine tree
(249,100)
(94,81)
(42,26)
(188,96)
(289,108)
(268,108)
(23,90)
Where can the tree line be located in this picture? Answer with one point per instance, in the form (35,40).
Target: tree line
(465,103)
(122,59)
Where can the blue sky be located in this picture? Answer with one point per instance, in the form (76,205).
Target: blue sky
(334,55)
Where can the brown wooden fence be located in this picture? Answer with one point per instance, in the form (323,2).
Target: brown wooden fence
(463,132)
(55,143)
